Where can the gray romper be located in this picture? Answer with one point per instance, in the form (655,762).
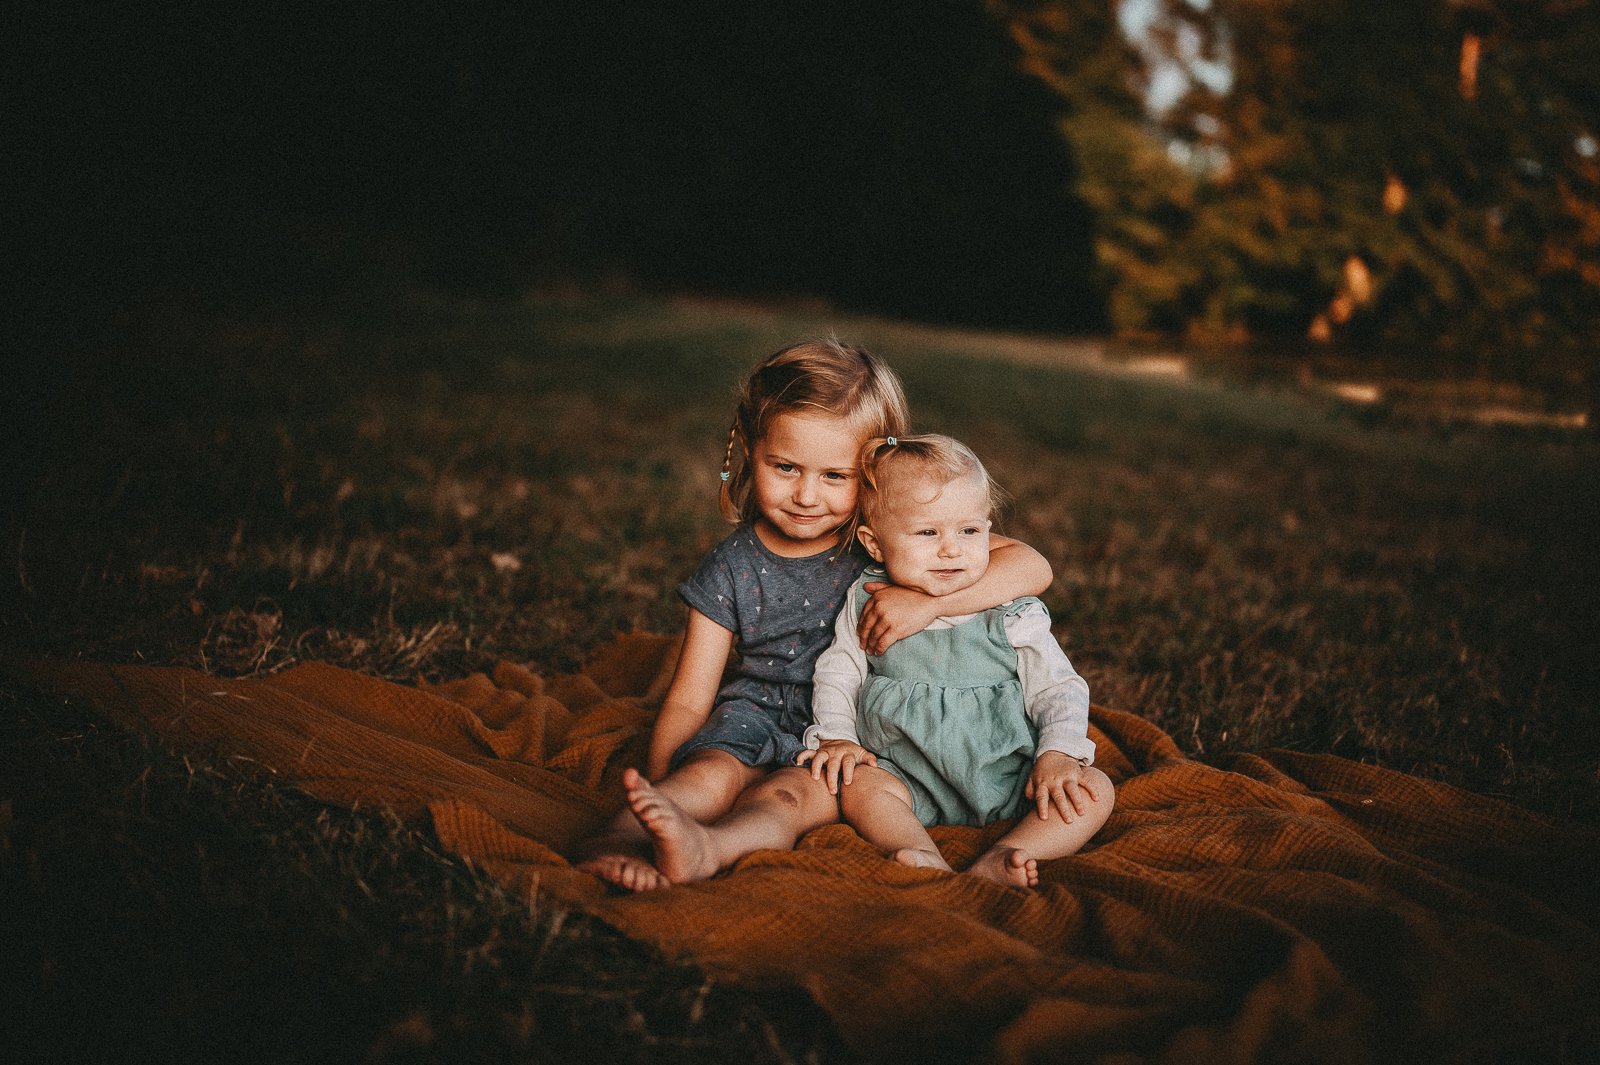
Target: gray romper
(781,612)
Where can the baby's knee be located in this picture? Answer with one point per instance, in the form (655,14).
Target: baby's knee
(1101,788)
(870,785)
(853,798)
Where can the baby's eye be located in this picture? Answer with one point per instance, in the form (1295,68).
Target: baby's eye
(971,530)
(926,532)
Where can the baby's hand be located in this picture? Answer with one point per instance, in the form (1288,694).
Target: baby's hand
(1059,779)
(893,613)
(834,757)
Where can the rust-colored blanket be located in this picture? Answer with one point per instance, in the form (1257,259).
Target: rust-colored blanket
(1285,907)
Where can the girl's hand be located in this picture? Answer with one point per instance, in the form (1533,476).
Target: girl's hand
(891,614)
(835,757)
(1058,779)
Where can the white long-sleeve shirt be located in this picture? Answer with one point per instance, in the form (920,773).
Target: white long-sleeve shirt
(1055,696)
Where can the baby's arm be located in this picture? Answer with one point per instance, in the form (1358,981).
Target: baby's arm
(1056,778)
(689,698)
(1057,701)
(893,613)
(831,742)
(1057,697)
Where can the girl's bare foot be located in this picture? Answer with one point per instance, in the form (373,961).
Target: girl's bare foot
(920,858)
(1007,865)
(630,872)
(683,847)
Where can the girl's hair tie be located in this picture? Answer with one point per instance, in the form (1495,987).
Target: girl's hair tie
(724,475)
(891,441)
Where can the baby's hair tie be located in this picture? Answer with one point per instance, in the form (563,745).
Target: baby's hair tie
(891,441)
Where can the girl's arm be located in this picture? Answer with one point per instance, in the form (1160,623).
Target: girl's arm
(893,613)
(689,698)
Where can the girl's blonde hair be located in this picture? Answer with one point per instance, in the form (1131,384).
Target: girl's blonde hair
(821,374)
(940,459)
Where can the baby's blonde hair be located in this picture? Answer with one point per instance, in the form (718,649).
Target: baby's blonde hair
(819,373)
(941,459)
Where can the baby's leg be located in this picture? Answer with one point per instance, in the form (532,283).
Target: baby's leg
(704,788)
(879,807)
(1015,857)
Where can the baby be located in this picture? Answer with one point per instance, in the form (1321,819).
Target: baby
(979,717)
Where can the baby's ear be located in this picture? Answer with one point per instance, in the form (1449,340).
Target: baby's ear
(869,540)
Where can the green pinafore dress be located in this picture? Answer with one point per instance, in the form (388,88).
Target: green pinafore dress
(943,710)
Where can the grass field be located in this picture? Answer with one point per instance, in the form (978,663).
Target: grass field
(415,484)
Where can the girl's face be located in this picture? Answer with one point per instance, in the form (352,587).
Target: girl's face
(931,537)
(804,481)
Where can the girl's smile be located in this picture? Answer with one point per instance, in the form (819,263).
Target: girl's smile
(804,481)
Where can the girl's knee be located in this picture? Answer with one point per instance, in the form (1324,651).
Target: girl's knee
(795,788)
(713,773)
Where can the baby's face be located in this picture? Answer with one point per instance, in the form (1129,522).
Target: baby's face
(932,537)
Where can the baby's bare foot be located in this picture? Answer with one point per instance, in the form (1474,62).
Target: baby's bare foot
(920,858)
(683,847)
(1007,865)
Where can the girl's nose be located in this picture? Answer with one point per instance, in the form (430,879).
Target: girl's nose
(805,492)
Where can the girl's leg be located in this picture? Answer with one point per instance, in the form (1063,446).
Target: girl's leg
(1015,857)
(771,814)
(877,805)
(708,784)
(704,787)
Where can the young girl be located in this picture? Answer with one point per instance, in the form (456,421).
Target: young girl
(976,718)
(723,755)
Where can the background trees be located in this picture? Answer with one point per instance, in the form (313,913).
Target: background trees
(1417,178)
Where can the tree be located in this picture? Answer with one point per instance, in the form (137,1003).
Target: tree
(1141,199)
(1417,178)
(1414,176)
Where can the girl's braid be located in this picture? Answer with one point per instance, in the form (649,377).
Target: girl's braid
(727,456)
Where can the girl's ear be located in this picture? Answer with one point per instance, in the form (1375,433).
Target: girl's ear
(869,540)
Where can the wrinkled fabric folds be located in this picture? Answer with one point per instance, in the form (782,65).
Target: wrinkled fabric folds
(1276,907)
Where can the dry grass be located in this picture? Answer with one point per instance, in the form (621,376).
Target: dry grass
(412,485)
(169,908)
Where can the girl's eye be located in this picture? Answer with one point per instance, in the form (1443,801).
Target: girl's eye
(784,467)
(835,475)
